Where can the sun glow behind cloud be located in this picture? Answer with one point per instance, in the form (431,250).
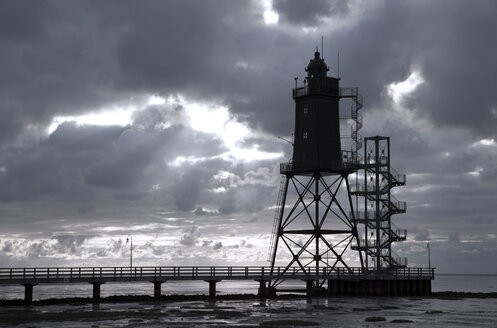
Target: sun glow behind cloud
(270,16)
(399,90)
(114,116)
(216,120)
(120,115)
(209,118)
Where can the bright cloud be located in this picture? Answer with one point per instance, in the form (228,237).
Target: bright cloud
(121,117)
(488,142)
(216,119)
(204,117)
(398,90)
(270,16)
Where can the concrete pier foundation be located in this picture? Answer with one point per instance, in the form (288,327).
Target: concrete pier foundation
(96,290)
(264,290)
(378,287)
(427,287)
(212,287)
(312,290)
(28,293)
(308,287)
(157,288)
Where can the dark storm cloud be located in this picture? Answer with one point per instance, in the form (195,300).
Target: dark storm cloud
(61,58)
(446,44)
(225,54)
(309,13)
(52,167)
(460,67)
(104,53)
(57,58)
(21,20)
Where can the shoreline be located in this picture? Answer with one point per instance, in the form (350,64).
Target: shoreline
(187,298)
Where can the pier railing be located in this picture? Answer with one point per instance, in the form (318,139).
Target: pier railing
(206,273)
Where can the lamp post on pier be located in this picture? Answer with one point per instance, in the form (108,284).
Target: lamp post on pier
(429,255)
(130,239)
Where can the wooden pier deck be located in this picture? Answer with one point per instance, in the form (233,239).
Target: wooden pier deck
(341,281)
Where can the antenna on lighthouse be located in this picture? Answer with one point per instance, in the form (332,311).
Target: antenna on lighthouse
(322,48)
(338,63)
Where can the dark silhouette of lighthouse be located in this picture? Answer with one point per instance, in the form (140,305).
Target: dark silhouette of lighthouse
(317,124)
(317,225)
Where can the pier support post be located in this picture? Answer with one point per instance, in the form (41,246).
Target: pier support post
(386,287)
(332,287)
(363,287)
(157,288)
(344,288)
(393,288)
(419,288)
(407,288)
(264,290)
(28,293)
(402,288)
(212,288)
(339,290)
(313,290)
(308,287)
(427,287)
(96,290)
(413,287)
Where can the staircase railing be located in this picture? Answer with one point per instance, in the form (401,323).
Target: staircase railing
(356,118)
(277,211)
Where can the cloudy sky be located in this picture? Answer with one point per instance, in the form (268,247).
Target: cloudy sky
(160,119)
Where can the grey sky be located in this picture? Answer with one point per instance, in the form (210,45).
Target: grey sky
(194,95)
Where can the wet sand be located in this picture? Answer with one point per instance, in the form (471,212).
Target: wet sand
(445,309)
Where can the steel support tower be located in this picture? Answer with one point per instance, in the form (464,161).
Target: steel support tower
(378,230)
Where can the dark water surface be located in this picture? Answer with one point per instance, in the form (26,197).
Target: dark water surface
(294,312)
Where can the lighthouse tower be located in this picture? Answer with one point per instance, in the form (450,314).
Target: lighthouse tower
(314,224)
(333,219)
(317,125)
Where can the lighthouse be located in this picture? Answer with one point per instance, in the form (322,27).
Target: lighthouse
(317,125)
(333,216)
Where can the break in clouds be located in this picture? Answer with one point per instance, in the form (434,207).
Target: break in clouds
(160,119)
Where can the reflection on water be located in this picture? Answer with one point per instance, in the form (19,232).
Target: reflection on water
(322,312)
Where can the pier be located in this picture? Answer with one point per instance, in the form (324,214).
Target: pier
(340,281)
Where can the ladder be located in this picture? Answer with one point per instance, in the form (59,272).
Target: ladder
(277,211)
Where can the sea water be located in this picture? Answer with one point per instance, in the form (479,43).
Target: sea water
(295,312)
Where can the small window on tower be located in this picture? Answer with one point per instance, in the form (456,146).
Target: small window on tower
(305,135)
(306,110)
